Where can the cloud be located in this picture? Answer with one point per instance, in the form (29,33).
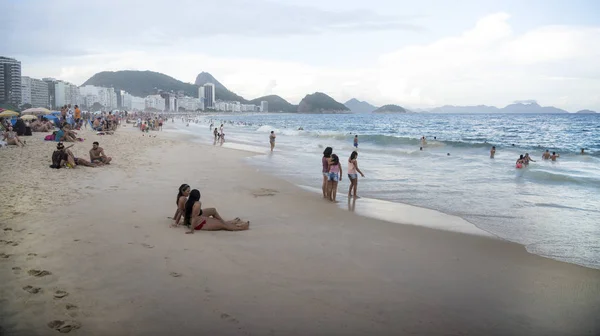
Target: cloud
(74,27)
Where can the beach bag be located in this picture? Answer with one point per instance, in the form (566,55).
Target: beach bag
(49,137)
(57,157)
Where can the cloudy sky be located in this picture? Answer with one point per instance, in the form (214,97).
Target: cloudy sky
(413,53)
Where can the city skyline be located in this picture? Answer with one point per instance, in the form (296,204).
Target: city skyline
(415,54)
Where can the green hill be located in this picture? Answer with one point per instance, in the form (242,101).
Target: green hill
(391,109)
(319,102)
(141,83)
(221,92)
(276,104)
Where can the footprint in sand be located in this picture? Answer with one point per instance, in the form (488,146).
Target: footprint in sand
(32,254)
(7,229)
(228,317)
(147,245)
(175,274)
(135,226)
(14,244)
(264,192)
(32,290)
(38,273)
(59,294)
(4,255)
(16,270)
(64,326)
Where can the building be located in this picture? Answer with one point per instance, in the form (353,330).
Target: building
(155,102)
(50,82)
(264,106)
(65,93)
(107,97)
(138,103)
(10,81)
(208,94)
(188,104)
(34,92)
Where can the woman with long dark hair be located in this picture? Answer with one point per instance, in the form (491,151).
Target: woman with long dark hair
(335,175)
(184,192)
(352,176)
(195,219)
(325,162)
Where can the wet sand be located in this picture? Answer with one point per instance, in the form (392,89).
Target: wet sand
(306,267)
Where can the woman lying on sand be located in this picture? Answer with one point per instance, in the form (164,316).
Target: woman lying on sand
(197,219)
(182,195)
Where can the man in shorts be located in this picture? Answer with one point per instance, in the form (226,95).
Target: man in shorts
(97,154)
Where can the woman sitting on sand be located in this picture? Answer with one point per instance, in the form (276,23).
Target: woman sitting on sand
(197,219)
(182,195)
(12,138)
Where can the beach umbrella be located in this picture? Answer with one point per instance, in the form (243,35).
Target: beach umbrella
(9,113)
(36,111)
(29,117)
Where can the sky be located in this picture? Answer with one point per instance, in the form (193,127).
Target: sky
(416,54)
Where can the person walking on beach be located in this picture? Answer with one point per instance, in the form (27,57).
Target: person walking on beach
(352,170)
(325,162)
(335,175)
(272,140)
(182,195)
(492,152)
(196,219)
(554,156)
(356,141)
(546,155)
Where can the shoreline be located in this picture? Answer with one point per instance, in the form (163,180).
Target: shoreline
(304,267)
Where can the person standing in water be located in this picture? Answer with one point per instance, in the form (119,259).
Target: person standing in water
(423,141)
(519,163)
(335,175)
(352,170)
(527,158)
(546,155)
(356,141)
(492,152)
(554,156)
(325,172)
(272,140)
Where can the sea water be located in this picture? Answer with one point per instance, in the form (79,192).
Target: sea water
(553,208)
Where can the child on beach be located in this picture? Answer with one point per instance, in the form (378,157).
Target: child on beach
(182,195)
(352,170)
(335,175)
(272,140)
(197,219)
(325,162)
(356,141)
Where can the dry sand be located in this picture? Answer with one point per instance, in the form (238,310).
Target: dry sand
(306,267)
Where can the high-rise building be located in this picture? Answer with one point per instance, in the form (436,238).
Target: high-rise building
(208,95)
(34,92)
(264,106)
(10,81)
(50,82)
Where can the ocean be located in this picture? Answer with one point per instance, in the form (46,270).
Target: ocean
(552,208)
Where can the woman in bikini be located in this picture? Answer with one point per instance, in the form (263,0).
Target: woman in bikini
(182,195)
(197,219)
(12,138)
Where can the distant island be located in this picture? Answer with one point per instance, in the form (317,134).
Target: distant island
(319,102)
(519,107)
(391,109)
(357,106)
(586,112)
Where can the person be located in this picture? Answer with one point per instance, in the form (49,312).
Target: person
(64,157)
(554,156)
(77,117)
(272,140)
(423,141)
(12,138)
(197,219)
(527,158)
(546,155)
(160,123)
(335,175)
(582,151)
(97,154)
(221,130)
(97,126)
(492,152)
(352,170)
(356,141)
(182,195)
(519,163)
(216,133)
(325,162)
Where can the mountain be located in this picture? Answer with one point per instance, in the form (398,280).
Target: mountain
(319,102)
(221,92)
(391,109)
(465,109)
(586,112)
(276,104)
(357,106)
(140,83)
(530,107)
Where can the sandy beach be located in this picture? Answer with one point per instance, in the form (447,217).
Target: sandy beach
(306,267)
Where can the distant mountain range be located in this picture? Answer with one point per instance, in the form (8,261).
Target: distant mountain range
(143,83)
(357,106)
